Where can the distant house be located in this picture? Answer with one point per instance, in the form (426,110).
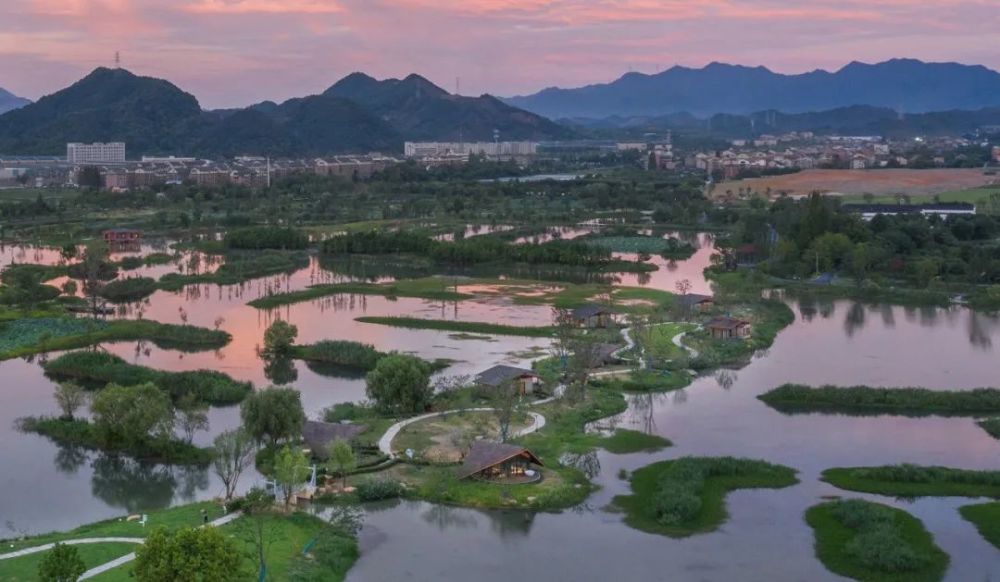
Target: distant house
(122,236)
(318,435)
(695,302)
(728,328)
(499,462)
(747,254)
(605,355)
(497,376)
(591,315)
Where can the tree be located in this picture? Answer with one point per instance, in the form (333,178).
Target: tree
(506,403)
(193,554)
(342,456)
(234,452)
(273,414)
(93,266)
(279,338)
(257,504)
(131,415)
(62,564)
(192,417)
(291,467)
(683,286)
(400,384)
(70,397)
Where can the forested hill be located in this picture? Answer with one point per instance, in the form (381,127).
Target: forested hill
(357,114)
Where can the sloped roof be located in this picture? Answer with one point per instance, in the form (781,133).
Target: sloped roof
(497,375)
(589,310)
(318,435)
(693,299)
(485,454)
(726,323)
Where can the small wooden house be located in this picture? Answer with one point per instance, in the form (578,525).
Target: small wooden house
(594,316)
(525,380)
(695,302)
(122,236)
(318,435)
(492,461)
(728,328)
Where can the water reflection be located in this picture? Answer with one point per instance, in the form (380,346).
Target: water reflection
(136,486)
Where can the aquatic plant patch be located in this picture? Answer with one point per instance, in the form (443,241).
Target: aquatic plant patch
(915,481)
(866,399)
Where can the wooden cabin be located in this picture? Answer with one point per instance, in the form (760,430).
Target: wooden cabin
(593,316)
(122,236)
(695,302)
(318,435)
(525,380)
(501,462)
(728,328)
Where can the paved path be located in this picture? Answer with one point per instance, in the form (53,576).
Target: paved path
(108,540)
(537,422)
(677,342)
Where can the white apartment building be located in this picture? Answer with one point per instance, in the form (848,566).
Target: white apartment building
(99,153)
(488,148)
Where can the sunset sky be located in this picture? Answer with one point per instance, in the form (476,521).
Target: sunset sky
(236,52)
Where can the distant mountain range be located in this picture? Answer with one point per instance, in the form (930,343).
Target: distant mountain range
(357,114)
(9,101)
(854,120)
(904,85)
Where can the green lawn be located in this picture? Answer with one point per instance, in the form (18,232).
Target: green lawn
(659,342)
(694,492)
(915,481)
(977,196)
(877,543)
(26,568)
(986,518)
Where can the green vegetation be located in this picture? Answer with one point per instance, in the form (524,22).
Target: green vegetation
(131,289)
(686,496)
(624,441)
(669,248)
(240,267)
(34,335)
(188,554)
(266,237)
(991,426)
(27,568)
(427,288)
(642,381)
(460,326)
(986,518)
(866,399)
(206,386)
(767,318)
(273,415)
(341,353)
(400,384)
(915,481)
(85,434)
(875,543)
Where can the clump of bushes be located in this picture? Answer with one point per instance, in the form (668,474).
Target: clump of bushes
(342,353)
(867,398)
(266,237)
(131,289)
(878,543)
(204,385)
(379,489)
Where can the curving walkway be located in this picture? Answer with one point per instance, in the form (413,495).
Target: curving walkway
(385,443)
(677,342)
(228,518)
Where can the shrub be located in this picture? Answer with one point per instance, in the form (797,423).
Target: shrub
(341,353)
(267,237)
(878,544)
(379,489)
(131,289)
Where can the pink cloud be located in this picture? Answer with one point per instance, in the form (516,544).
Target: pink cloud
(263,7)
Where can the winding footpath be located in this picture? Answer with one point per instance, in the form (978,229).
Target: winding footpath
(107,540)
(537,422)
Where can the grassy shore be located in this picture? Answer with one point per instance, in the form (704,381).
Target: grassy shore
(875,543)
(867,399)
(624,441)
(29,336)
(915,481)
(686,496)
(301,546)
(208,386)
(460,326)
(434,288)
(986,518)
(991,426)
(81,433)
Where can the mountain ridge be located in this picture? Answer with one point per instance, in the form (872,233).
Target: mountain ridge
(356,114)
(907,85)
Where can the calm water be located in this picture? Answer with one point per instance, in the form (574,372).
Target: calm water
(843,343)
